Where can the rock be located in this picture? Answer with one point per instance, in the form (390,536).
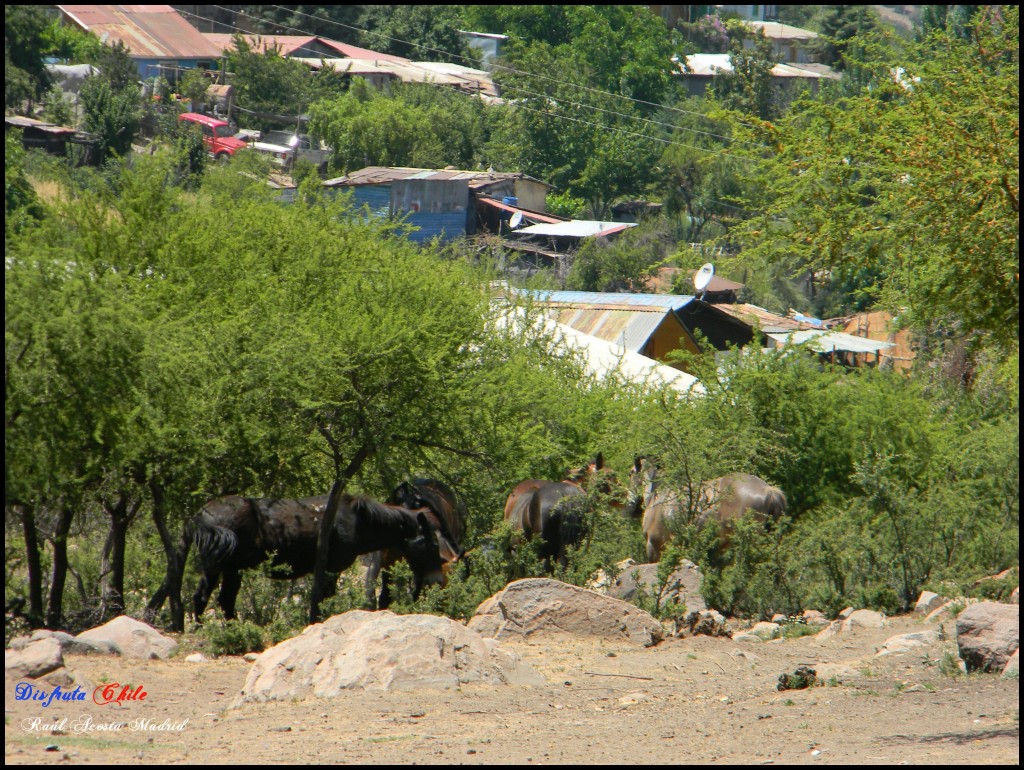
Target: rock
(844,614)
(815,618)
(682,587)
(1012,669)
(1015,596)
(381,651)
(198,657)
(837,673)
(73,645)
(852,621)
(746,636)
(779,618)
(706,623)
(929,601)
(987,635)
(949,609)
(133,638)
(540,606)
(766,631)
(34,660)
(906,642)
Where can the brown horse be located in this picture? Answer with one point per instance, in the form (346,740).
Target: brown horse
(721,501)
(446,514)
(236,533)
(554,510)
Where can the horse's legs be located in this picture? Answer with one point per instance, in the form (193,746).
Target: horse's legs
(202,595)
(373,570)
(229,592)
(653,551)
(385,590)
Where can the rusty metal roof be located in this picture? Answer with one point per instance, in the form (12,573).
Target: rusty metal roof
(388,174)
(769,322)
(628,320)
(288,44)
(147,31)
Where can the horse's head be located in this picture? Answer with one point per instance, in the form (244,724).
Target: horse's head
(433,551)
(641,485)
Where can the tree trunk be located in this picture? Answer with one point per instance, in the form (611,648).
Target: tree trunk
(318,592)
(55,604)
(171,588)
(112,563)
(33,565)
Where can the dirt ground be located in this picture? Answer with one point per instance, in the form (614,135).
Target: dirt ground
(686,701)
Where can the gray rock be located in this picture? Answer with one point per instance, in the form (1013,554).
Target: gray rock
(766,631)
(705,623)
(34,660)
(133,638)
(987,635)
(929,601)
(907,642)
(540,606)
(381,651)
(815,618)
(1012,669)
(682,587)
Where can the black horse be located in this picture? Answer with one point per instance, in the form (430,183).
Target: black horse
(555,510)
(447,515)
(236,533)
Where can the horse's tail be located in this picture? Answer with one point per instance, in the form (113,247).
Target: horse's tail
(214,543)
(775,503)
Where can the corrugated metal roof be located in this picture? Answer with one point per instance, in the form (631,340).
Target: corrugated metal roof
(291,43)
(612,300)
(527,214)
(778,31)
(751,314)
(710,64)
(147,31)
(629,328)
(388,174)
(576,228)
(826,341)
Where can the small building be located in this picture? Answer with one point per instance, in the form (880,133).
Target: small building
(300,46)
(38,134)
(793,45)
(490,45)
(158,39)
(698,70)
(439,202)
(653,325)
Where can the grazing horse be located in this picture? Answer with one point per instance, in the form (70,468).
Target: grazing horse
(722,501)
(235,533)
(446,514)
(555,510)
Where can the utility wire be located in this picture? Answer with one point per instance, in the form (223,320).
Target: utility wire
(547,114)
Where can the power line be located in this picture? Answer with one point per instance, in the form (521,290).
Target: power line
(548,114)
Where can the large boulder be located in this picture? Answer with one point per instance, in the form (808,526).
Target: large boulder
(33,660)
(682,586)
(541,606)
(381,651)
(133,638)
(851,621)
(987,635)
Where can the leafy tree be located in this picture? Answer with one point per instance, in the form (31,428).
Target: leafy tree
(268,84)
(854,185)
(838,26)
(417,32)
(749,88)
(25,75)
(111,116)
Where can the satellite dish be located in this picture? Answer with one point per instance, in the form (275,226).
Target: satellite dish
(515,220)
(703,276)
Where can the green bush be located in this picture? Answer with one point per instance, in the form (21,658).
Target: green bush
(234,637)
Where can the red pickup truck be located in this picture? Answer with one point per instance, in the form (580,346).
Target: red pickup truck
(218,137)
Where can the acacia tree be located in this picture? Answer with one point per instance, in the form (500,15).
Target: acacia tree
(912,184)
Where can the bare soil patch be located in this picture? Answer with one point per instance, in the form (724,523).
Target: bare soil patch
(696,700)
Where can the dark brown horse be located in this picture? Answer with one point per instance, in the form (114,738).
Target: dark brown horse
(236,533)
(554,510)
(446,514)
(721,501)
